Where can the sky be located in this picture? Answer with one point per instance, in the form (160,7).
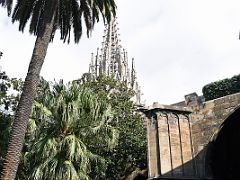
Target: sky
(178,46)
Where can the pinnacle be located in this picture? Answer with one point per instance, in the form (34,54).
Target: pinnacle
(112,60)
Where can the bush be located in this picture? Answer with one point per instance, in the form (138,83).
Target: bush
(221,88)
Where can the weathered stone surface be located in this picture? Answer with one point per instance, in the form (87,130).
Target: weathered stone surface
(179,137)
(164,144)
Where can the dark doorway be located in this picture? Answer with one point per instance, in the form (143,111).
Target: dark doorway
(225,151)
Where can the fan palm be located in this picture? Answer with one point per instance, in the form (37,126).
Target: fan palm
(60,133)
(46,16)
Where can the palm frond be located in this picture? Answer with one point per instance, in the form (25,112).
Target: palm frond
(85,9)
(67,14)
(8,4)
(22,12)
(36,17)
(73,122)
(68,171)
(65,19)
(77,21)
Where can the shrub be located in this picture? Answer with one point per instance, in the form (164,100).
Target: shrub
(221,88)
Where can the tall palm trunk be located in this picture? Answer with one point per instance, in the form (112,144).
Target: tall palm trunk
(25,104)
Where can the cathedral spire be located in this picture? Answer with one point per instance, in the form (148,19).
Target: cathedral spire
(112,60)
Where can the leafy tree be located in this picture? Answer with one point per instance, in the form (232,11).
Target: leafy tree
(130,152)
(45,17)
(10,89)
(63,129)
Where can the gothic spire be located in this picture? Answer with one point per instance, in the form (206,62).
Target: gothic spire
(112,60)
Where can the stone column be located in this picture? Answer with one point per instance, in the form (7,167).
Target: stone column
(187,153)
(164,143)
(153,154)
(175,144)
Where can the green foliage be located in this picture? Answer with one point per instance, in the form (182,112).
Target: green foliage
(5,125)
(66,123)
(45,17)
(78,131)
(9,96)
(9,92)
(130,152)
(221,88)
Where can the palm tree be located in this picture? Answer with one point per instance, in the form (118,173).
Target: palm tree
(60,130)
(46,16)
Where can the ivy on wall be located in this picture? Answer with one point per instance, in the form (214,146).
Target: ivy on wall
(221,88)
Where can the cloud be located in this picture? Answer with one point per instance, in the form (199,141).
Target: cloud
(189,44)
(178,46)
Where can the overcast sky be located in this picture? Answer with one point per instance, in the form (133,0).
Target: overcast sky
(178,46)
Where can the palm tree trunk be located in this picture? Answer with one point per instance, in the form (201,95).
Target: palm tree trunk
(25,104)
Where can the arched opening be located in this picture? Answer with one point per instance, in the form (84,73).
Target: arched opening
(225,152)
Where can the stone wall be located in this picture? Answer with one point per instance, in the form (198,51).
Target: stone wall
(179,137)
(169,142)
(206,121)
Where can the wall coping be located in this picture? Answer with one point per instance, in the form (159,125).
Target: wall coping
(223,97)
(157,106)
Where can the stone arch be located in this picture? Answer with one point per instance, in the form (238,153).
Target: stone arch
(222,153)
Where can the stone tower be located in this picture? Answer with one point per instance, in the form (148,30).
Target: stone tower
(112,60)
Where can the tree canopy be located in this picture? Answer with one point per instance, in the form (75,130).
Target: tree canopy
(80,131)
(45,17)
(130,152)
(63,128)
